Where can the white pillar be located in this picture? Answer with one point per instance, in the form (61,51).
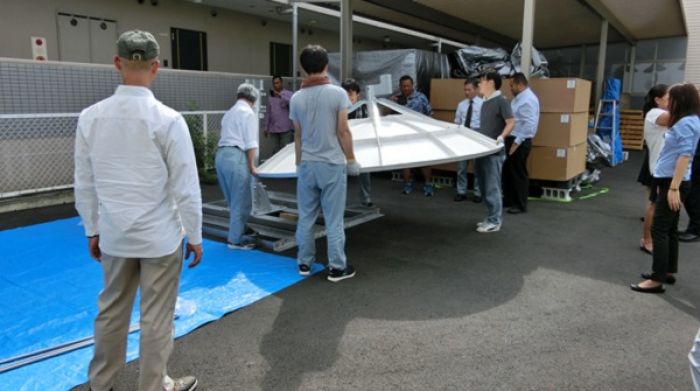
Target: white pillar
(526,44)
(602,50)
(295,44)
(345,39)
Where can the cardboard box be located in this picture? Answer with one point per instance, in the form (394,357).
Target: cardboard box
(444,115)
(561,130)
(445,94)
(562,95)
(557,164)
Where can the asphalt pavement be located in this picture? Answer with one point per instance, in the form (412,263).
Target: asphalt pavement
(544,304)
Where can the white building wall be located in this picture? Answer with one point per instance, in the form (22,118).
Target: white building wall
(236,42)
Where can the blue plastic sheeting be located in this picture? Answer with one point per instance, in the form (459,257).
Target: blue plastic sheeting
(49,287)
(611,91)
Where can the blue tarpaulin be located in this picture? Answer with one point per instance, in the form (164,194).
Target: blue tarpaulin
(606,126)
(49,287)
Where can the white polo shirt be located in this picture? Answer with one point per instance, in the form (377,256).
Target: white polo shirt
(136,182)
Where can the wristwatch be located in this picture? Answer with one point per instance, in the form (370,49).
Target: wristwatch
(672,189)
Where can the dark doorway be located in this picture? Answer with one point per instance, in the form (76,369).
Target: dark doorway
(189,49)
(280,59)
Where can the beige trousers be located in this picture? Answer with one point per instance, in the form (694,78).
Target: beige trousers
(158,279)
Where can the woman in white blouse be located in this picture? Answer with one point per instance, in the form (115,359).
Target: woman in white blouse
(655,126)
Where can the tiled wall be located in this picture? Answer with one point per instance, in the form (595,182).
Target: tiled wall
(52,87)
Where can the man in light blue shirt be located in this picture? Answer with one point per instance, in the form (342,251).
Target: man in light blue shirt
(468,114)
(526,111)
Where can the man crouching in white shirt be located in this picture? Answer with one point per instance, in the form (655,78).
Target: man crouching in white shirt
(137,193)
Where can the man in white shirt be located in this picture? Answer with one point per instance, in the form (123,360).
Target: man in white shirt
(235,162)
(137,193)
(468,114)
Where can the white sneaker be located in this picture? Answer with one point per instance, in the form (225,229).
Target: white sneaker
(244,247)
(480,223)
(488,227)
(186,383)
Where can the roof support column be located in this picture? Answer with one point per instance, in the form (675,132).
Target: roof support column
(345,39)
(602,50)
(295,45)
(526,45)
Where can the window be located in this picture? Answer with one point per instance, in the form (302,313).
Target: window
(280,59)
(189,49)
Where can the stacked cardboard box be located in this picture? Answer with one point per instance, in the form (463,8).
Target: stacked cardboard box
(559,148)
(445,95)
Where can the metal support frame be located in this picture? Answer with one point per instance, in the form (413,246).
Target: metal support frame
(345,39)
(295,45)
(602,51)
(613,128)
(632,65)
(582,63)
(274,219)
(527,37)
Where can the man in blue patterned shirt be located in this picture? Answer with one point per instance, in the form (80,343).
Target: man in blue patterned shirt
(416,101)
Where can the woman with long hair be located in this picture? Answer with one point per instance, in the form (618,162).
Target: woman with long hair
(655,126)
(672,181)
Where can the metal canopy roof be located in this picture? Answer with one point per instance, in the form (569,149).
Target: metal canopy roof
(409,139)
(558,23)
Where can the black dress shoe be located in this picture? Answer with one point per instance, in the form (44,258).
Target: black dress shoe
(669,278)
(656,289)
(515,210)
(477,199)
(688,237)
(460,198)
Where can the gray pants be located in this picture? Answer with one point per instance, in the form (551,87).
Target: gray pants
(365,188)
(488,174)
(462,179)
(280,140)
(158,279)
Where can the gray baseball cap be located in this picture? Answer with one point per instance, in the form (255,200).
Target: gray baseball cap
(137,45)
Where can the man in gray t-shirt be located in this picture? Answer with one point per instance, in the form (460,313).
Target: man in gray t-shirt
(496,122)
(324,155)
(317,108)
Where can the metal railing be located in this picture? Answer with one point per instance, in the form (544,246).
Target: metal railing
(36,150)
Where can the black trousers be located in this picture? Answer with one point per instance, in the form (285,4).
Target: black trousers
(664,231)
(692,206)
(516,180)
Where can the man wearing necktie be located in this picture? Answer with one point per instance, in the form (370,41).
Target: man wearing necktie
(468,114)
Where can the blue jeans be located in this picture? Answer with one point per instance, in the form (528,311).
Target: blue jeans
(236,184)
(462,179)
(321,187)
(488,173)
